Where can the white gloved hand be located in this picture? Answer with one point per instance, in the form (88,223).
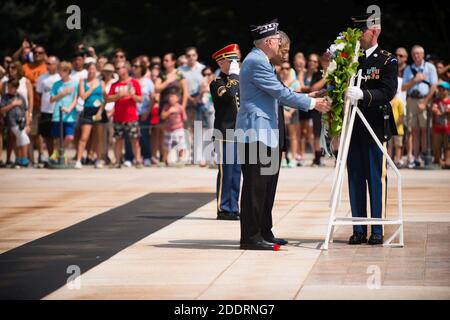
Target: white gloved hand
(234,67)
(355,93)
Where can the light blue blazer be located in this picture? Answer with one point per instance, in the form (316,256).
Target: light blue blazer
(260,93)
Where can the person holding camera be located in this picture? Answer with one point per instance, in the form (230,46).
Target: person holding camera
(17,119)
(420,81)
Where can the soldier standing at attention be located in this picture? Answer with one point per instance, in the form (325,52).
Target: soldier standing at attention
(366,163)
(225,94)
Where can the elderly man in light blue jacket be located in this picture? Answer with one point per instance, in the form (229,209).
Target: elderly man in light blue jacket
(257,131)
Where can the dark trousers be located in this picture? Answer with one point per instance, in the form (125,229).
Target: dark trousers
(366,166)
(228,177)
(258,192)
(144,142)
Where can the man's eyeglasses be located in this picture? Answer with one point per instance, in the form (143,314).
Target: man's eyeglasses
(136,66)
(276,38)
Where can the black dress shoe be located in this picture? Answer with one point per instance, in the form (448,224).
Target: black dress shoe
(357,238)
(260,245)
(227,216)
(375,239)
(281,242)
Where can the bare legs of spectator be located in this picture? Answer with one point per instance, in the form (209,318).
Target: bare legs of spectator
(107,141)
(1,143)
(118,149)
(49,144)
(292,131)
(416,142)
(82,142)
(304,136)
(10,146)
(98,144)
(21,152)
(136,151)
(157,139)
(423,139)
(67,141)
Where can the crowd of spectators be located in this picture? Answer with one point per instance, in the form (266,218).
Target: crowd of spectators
(121,111)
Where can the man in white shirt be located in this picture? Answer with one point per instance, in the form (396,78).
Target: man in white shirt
(43,87)
(192,72)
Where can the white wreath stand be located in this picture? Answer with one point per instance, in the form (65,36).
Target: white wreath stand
(341,164)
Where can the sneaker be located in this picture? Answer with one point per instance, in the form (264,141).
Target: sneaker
(139,165)
(147,163)
(154,161)
(292,164)
(42,159)
(300,163)
(78,165)
(89,161)
(116,165)
(98,164)
(284,163)
(417,163)
(317,163)
(180,164)
(128,164)
(55,156)
(400,164)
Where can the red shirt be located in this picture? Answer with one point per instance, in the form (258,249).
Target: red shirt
(125,109)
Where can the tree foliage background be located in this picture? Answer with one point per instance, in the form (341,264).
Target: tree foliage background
(155,27)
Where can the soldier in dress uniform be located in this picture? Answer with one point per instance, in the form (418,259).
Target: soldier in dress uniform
(225,94)
(366,163)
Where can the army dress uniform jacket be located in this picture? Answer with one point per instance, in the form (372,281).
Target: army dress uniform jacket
(379,88)
(225,94)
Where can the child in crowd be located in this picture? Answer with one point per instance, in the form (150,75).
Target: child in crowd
(441,125)
(174,116)
(398,109)
(17,119)
(64,95)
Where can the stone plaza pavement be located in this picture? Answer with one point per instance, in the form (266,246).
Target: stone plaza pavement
(197,257)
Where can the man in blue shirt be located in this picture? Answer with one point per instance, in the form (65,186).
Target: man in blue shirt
(419,80)
(257,132)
